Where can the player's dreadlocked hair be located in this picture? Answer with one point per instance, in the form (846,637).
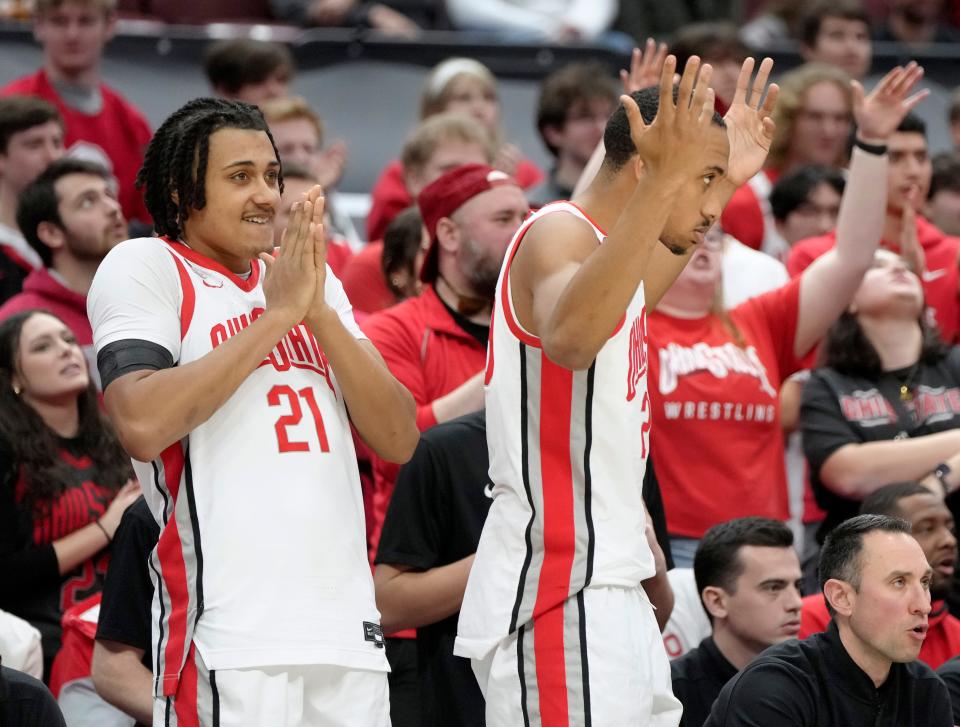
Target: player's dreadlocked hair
(175,163)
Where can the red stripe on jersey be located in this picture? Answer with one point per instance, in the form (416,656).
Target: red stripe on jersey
(512,323)
(589,218)
(204,262)
(548,648)
(189,297)
(173,571)
(185,703)
(559,539)
(488,374)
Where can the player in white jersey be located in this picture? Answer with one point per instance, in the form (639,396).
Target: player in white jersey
(554,616)
(232,381)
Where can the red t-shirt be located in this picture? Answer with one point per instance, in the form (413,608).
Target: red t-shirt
(363,280)
(939,279)
(118,134)
(390,196)
(943,636)
(717,445)
(431,355)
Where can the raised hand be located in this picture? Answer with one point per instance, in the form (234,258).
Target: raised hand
(319,303)
(879,114)
(645,67)
(674,143)
(749,125)
(910,249)
(292,279)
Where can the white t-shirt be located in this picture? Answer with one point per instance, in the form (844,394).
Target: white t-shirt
(688,624)
(747,273)
(262,555)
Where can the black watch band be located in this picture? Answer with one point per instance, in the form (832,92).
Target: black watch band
(941,472)
(878,149)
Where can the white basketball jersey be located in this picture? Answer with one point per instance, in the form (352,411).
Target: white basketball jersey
(262,558)
(568,452)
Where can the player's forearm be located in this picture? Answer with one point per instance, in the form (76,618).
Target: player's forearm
(122,680)
(595,299)
(857,470)
(152,410)
(660,593)
(381,409)
(409,600)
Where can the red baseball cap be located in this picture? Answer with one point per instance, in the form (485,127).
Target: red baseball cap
(444,196)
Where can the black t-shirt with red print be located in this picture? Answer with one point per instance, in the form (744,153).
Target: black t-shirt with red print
(30,582)
(838,409)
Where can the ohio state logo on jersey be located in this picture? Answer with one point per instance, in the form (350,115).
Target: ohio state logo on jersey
(720,361)
(637,353)
(298,349)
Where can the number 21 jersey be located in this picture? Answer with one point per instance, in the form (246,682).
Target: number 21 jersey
(261,559)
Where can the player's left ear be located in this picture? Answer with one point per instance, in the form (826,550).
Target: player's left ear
(638,168)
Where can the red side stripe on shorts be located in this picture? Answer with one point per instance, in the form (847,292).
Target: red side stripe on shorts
(174,573)
(189,297)
(559,540)
(185,703)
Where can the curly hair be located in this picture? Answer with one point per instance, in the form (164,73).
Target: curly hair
(175,164)
(35,447)
(847,349)
(793,88)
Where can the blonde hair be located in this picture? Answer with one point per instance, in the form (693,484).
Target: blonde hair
(450,126)
(290,108)
(793,87)
(437,88)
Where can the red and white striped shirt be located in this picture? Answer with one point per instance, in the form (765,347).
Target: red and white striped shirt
(568,451)
(261,559)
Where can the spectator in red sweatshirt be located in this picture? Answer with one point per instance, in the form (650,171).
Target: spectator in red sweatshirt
(100,124)
(468,87)
(930,253)
(71,217)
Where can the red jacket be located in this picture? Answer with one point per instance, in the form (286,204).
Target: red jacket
(390,195)
(42,290)
(429,354)
(118,132)
(363,280)
(939,280)
(943,636)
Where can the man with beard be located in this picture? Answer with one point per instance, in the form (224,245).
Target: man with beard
(435,344)
(71,217)
(932,526)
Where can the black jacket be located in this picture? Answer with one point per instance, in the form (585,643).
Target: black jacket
(815,683)
(698,676)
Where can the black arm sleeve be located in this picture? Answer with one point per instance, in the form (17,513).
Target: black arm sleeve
(128,590)
(125,357)
(24,567)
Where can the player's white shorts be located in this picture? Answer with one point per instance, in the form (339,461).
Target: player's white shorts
(279,696)
(596,660)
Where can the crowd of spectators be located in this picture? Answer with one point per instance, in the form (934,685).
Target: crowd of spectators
(804,375)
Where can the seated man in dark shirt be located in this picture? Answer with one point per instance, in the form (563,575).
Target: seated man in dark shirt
(121,655)
(430,534)
(861,672)
(26,702)
(748,577)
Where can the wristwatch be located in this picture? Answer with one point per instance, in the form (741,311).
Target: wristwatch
(942,472)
